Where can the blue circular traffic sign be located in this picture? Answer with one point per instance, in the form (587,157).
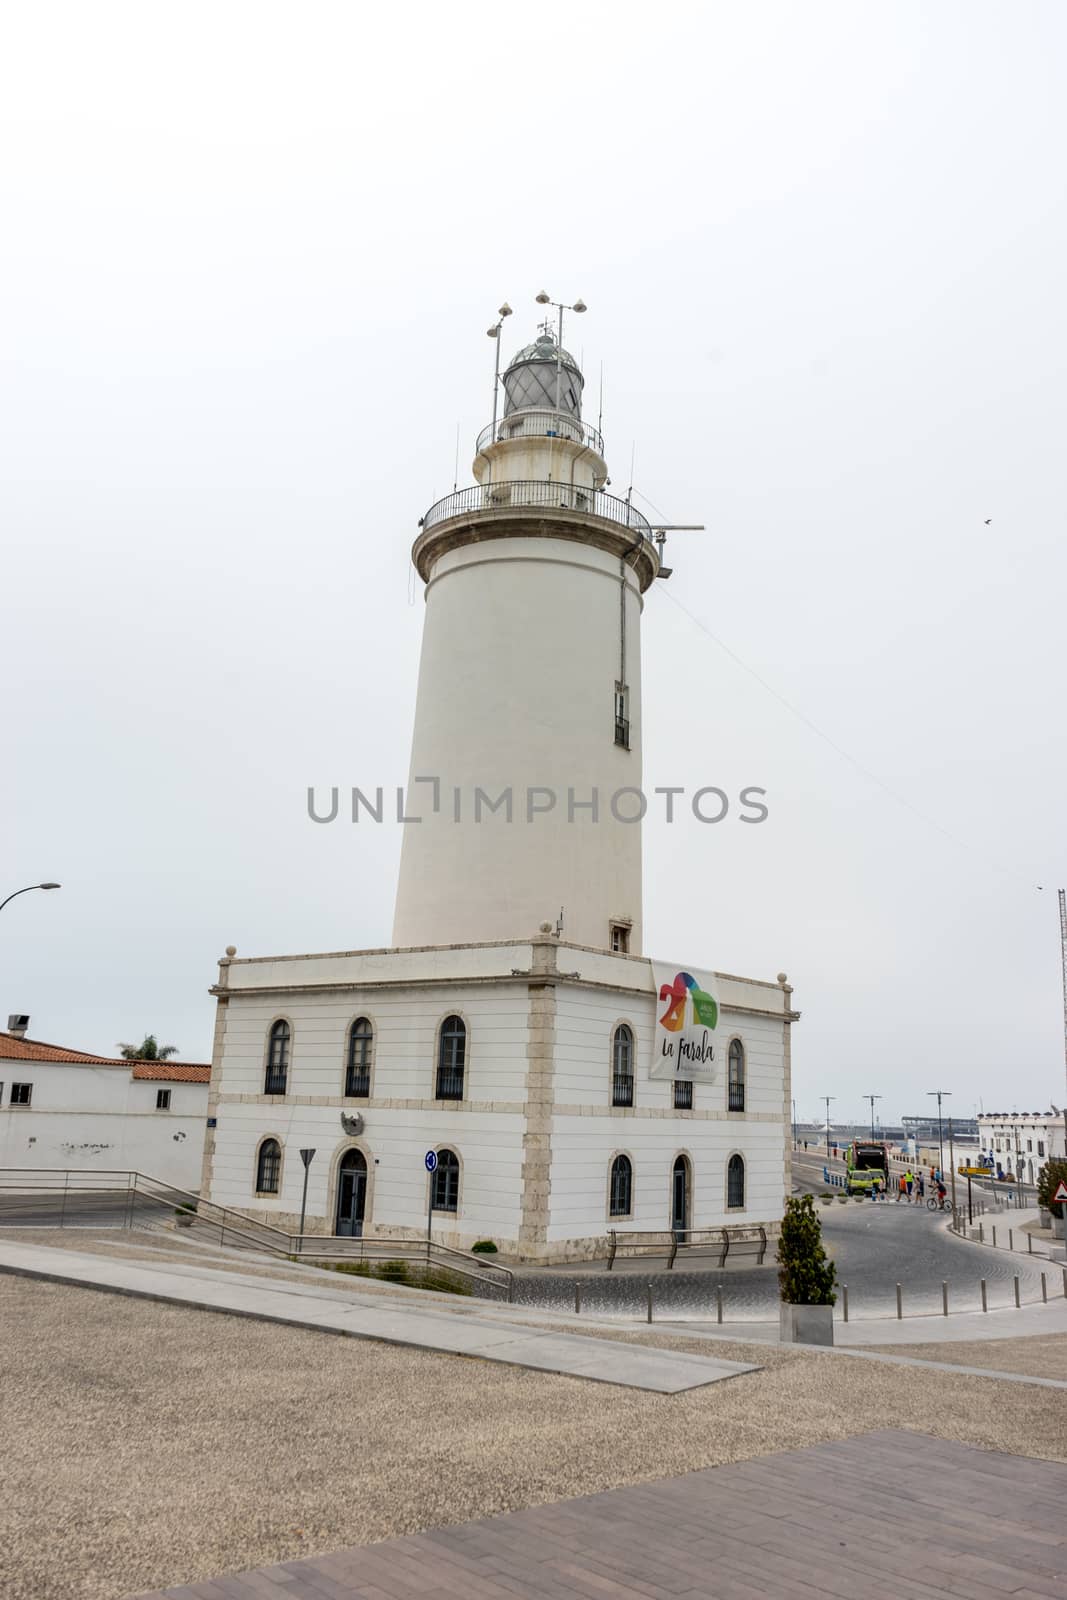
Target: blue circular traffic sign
(431,1161)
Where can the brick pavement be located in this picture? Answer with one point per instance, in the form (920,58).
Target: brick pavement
(881,1513)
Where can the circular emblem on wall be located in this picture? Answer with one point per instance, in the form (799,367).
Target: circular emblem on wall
(352,1123)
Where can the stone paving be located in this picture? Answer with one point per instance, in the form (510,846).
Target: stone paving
(876,1514)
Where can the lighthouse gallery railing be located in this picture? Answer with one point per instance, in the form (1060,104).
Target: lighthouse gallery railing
(492,497)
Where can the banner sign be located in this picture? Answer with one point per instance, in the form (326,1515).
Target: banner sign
(685,1038)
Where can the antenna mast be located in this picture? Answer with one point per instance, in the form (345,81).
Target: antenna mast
(1063,959)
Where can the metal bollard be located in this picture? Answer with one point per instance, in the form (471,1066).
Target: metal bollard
(1029,1244)
(844,1302)
(981,1233)
(994,1236)
(944,1299)
(1018,1302)
(984,1306)
(718,1302)
(1011,1238)
(900,1309)
(577,1297)
(1044,1289)
(1065,1283)
(650,1299)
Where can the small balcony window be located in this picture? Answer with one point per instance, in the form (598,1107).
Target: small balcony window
(451,1060)
(736,1074)
(622,1066)
(622,716)
(620,938)
(162,1099)
(683,1094)
(277,1073)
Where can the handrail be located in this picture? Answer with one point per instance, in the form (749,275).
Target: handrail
(539,423)
(507,494)
(672,1241)
(239,1226)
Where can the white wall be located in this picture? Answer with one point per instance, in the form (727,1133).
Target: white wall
(98,1118)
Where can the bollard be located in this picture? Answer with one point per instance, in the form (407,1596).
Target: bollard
(981,1233)
(577,1297)
(844,1301)
(944,1299)
(1065,1283)
(994,1236)
(718,1303)
(1044,1289)
(900,1310)
(1011,1238)
(984,1306)
(1018,1302)
(1029,1244)
(650,1299)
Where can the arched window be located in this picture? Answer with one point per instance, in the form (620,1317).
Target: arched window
(277,1059)
(268,1167)
(451,1060)
(357,1073)
(622,1066)
(622,1183)
(445,1181)
(681,1194)
(736,1100)
(735,1184)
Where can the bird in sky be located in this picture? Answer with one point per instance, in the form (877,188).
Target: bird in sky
(988,520)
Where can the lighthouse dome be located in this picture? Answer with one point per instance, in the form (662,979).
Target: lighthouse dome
(543,377)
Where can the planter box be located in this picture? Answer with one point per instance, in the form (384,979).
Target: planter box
(1044,1217)
(184,1219)
(805,1324)
(843,1199)
(1059,1227)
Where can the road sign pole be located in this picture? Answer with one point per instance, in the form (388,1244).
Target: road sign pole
(306,1156)
(430,1162)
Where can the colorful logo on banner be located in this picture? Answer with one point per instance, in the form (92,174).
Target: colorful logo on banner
(686,1019)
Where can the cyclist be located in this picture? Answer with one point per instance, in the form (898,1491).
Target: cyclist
(941,1192)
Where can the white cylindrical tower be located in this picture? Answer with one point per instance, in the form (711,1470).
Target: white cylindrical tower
(527,734)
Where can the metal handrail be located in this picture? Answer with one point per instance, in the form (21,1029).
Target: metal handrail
(240,1227)
(542,425)
(669,1241)
(500,496)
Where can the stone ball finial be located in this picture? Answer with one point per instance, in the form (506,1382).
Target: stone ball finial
(231,949)
(782,976)
(546,927)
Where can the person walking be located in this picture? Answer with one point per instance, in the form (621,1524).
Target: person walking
(909,1180)
(901,1189)
(920,1183)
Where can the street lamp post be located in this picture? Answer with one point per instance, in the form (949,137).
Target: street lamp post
(306,1156)
(494,333)
(828,1098)
(872,1098)
(27,889)
(579,306)
(794,1124)
(947,1095)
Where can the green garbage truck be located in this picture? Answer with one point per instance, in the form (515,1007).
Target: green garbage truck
(866,1164)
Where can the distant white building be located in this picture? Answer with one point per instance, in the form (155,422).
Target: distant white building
(514,1034)
(1020,1142)
(63,1108)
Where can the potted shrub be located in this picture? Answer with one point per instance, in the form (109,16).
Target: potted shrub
(806,1277)
(484,1247)
(827,1198)
(186,1214)
(1051,1175)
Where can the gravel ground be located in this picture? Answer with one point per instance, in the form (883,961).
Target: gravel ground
(146,1445)
(1039,1355)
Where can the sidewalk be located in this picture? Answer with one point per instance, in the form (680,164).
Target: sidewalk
(514,1342)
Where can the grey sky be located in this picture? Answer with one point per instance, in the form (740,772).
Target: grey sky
(250,254)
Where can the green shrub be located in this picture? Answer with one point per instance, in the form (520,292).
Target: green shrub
(1051,1175)
(806,1276)
(484,1246)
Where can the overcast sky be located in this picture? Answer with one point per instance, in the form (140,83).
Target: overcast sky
(250,253)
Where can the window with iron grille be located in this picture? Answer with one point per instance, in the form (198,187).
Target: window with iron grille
(622,1066)
(277,1059)
(268,1167)
(451,1061)
(21,1094)
(735,1183)
(683,1094)
(445,1182)
(162,1099)
(357,1073)
(622,1178)
(736,1075)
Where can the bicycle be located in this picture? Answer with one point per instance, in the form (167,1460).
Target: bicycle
(939,1202)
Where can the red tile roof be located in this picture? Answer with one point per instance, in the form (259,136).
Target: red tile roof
(15,1049)
(172,1071)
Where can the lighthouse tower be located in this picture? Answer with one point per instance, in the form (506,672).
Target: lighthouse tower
(526,755)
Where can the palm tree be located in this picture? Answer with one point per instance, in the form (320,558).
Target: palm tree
(148,1050)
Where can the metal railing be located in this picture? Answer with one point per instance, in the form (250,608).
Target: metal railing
(622,1089)
(690,1241)
(449,1084)
(112,1199)
(505,495)
(735,1097)
(622,732)
(542,425)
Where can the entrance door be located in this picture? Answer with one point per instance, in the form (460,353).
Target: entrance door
(680,1195)
(351,1194)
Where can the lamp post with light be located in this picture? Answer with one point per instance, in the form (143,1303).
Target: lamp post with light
(579,306)
(494,333)
(947,1095)
(27,889)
